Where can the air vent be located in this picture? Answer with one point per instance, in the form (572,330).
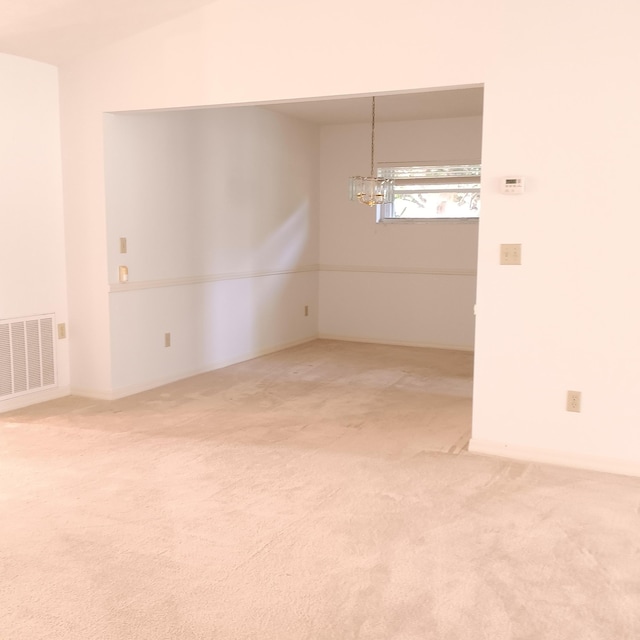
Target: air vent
(27,356)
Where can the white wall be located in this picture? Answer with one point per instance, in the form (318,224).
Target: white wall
(259,55)
(218,210)
(395,283)
(560,107)
(32,258)
(562,110)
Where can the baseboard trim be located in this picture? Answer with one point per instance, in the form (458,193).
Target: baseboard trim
(123,392)
(92,394)
(30,399)
(557,458)
(396,343)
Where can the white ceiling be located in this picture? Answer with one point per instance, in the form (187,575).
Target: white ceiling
(55,31)
(452,103)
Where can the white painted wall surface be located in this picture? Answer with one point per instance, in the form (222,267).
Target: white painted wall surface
(218,209)
(561,108)
(262,53)
(32,257)
(395,283)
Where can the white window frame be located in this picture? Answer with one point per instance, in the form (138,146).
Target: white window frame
(384,211)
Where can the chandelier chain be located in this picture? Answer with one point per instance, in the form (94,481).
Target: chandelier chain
(373,131)
(371,190)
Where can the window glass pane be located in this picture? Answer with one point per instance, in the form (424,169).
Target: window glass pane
(450,204)
(432,192)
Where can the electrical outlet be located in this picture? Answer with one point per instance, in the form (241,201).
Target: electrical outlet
(306,309)
(511,254)
(62,331)
(167,339)
(123,245)
(573,401)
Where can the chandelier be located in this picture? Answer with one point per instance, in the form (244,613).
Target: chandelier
(371,190)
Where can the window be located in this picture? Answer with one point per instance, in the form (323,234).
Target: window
(432,192)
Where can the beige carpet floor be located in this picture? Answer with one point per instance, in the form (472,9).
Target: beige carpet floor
(323,492)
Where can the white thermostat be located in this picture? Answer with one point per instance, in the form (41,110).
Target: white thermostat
(513,186)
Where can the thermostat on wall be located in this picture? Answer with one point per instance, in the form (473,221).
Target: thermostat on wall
(513,185)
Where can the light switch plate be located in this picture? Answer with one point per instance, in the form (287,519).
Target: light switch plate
(511,254)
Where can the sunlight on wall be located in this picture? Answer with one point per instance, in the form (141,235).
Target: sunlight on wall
(217,210)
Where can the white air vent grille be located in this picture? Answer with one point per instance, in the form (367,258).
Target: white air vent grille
(27,356)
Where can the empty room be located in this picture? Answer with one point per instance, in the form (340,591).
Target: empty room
(236,402)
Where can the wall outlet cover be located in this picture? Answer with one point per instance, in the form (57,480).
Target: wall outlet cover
(574,399)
